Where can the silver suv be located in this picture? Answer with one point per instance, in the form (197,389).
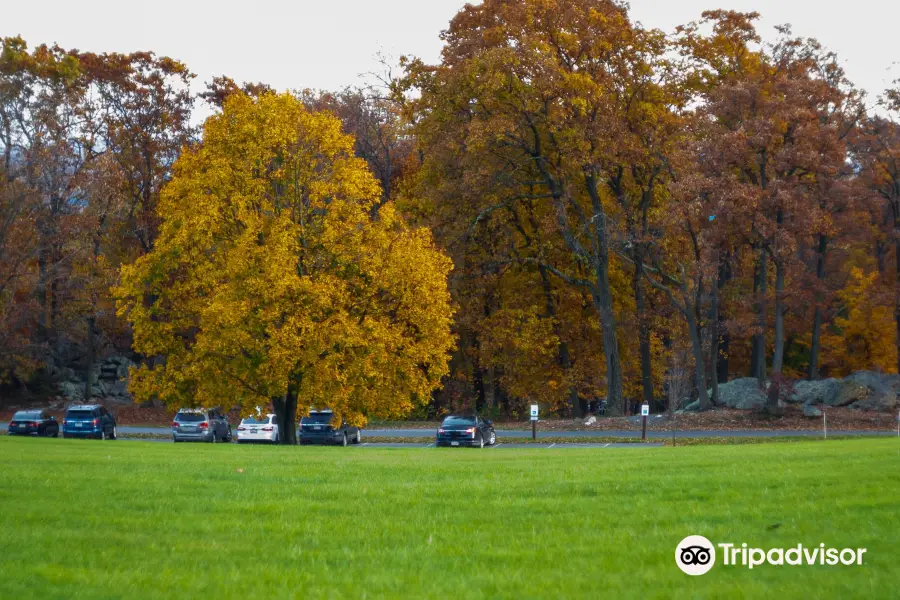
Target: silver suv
(201,425)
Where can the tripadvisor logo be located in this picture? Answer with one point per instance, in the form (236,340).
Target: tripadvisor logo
(696,555)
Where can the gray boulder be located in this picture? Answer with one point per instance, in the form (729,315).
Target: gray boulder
(72,390)
(815,392)
(692,407)
(867,390)
(811,411)
(117,389)
(742,393)
(122,370)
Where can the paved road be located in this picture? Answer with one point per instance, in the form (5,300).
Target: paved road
(498,446)
(625,433)
(622,433)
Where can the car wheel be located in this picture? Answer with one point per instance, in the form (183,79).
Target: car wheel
(358,437)
(493,439)
(229,436)
(56,435)
(344,439)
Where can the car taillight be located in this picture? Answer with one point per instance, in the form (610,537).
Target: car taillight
(12,423)
(35,424)
(204,425)
(174,423)
(268,429)
(95,421)
(242,428)
(471,430)
(441,431)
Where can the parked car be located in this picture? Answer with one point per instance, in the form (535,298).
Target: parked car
(89,421)
(33,422)
(261,429)
(319,428)
(201,425)
(466,430)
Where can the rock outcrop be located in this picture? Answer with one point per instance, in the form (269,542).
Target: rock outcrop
(863,390)
(110,382)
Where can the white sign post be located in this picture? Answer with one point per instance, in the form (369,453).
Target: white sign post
(534,420)
(645,410)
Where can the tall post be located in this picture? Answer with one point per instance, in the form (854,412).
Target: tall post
(645,410)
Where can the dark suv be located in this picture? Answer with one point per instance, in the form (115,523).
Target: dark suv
(319,428)
(200,425)
(89,421)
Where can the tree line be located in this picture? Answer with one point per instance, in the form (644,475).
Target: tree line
(630,214)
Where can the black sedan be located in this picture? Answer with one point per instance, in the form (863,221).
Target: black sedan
(466,430)
(321,427)
(34,422)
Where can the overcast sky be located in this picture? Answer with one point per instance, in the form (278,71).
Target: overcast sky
(328,44)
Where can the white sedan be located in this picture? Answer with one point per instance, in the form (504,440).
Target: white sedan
(260,429)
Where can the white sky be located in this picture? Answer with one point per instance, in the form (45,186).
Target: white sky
(328,44)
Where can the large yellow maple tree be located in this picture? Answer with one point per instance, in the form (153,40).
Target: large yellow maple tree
(271,279)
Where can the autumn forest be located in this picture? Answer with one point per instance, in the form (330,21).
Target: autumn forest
(566,207)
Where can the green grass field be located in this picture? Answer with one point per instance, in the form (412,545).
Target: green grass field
(148,520)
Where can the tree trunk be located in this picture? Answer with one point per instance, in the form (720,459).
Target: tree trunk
(714,337)
(759,339)
(897,300)
(643,331)
(778,356)
(286,417)
(813,372)
(697,347)
(489,383)
(881,252)
(724,339)
(754,340)
(602,297)
(89,358)
(615,397)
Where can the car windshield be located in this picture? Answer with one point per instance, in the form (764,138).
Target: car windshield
(458,421)
(317,418)
(80,414)
(252,421)
(26,415)
(190,417)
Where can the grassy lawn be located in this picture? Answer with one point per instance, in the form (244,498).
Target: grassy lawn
(144,520)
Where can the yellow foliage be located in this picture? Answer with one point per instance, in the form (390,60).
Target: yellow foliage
(864,337)
(270,276)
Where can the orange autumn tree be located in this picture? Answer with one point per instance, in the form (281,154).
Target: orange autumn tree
(546,118)
(271,281)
